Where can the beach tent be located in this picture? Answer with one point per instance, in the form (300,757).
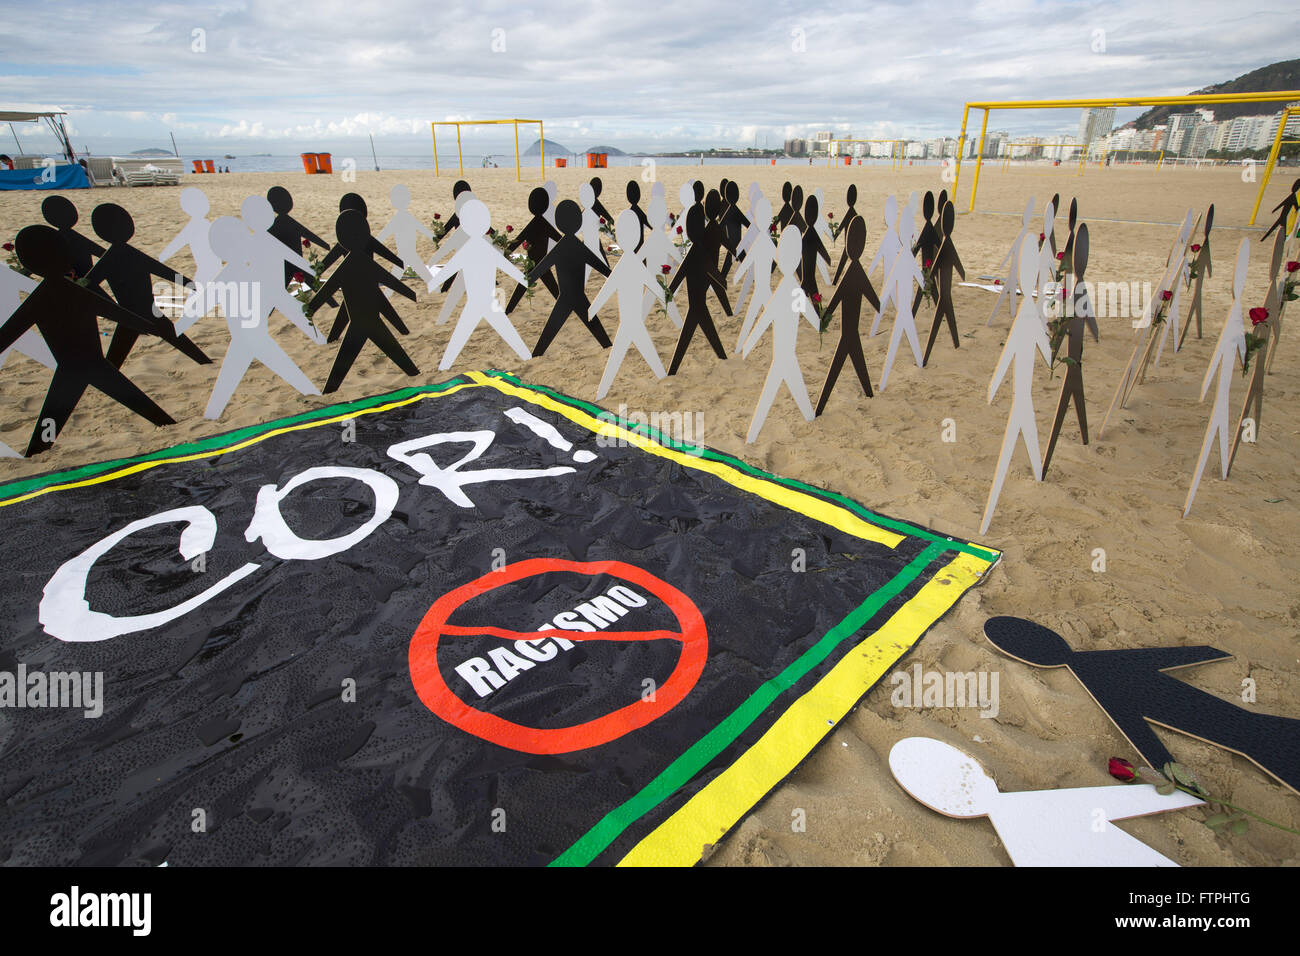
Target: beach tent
(67,175)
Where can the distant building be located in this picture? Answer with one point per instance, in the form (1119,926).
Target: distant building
(796,147)
(1095,123)
(1181,126)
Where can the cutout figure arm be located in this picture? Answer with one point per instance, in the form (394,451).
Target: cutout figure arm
(606,290)
(596,262)
(453,265)
(386,309)
(388,279)
(756,333)
(325,292)
(716,281)
(999,373)
(539,270)
(680,274)
(956,264)
(1163,658)
(331,257)
(312,237)
(506,267)
(162,272)
(379,249)
(22,319)
(176,245)
(106,307)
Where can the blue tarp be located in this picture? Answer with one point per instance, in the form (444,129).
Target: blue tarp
(67,176)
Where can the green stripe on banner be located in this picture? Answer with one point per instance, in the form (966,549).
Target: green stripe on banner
(680,771)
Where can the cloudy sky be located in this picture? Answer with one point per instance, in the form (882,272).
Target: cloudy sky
(255,75)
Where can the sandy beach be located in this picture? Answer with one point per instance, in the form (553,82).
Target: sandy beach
(1224,576)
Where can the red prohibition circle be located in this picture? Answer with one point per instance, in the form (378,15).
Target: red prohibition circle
(442,700)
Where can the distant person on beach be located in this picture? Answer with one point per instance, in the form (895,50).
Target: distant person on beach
(6,161)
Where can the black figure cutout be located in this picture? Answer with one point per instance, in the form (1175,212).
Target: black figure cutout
(1131,687)
(796,217)
(597,206)
(1283,210)
(812,248)
(851,197)
(946,261)
(848,296)
(699,272)
(64,312)
(734,222)
(1072,387)
(60,213)
(453,222)
(1203,267)
(569,257)
(128,273)
(539,234)
(927,243)
(633,200)
(1067,255)
(358,278)
(289,230)
(787,210)
(353,202)
(714,238)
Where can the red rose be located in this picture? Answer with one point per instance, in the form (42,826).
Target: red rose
(679,230)
(928,263)
(1122,770)
(299,277)
(306,243)
(1060,256)
(672,217)
(1291,266)
(1041,237)
(1196,247)
(9,247)
(667,269)
(997,281)
(830,215)
(510,228)
(1258,314)
(437,215)
(527,245)
(602,220)
(1166,295)
(817,297)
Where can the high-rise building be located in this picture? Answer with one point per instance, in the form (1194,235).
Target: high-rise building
(1095,123)
(1181,126)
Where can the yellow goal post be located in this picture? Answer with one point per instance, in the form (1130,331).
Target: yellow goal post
(460,159)
(1190,102)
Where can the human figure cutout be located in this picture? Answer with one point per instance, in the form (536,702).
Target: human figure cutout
(478,262)
(1284,209)
(699,273)
(927,243)
(358,277)
(686,196)
(1027,335)
(908,234)
(714,239)
(128,271)
(454,286)
(65,313)
(1228,353)
(796,214)
(733,223)
(596,206)
(1175,278)
(194,202)
(1036,827)
(630,280)
(1253,406)
(13,286)
(812,251)
(757,269)
(787,207)
(658,252)
(570,258)
(406,230)
(289,230)
(890,246)
(1203,268)
(457,188)
(591,226)
(633,200)
(539,234)
(353,201)
(944,263)
(851,213)
(250,335)
(747,239)
(60,213)
(1067,254)
(898,287)
(1013,284)
(1131,686)
(1081,315)
(853,287)
(783,312)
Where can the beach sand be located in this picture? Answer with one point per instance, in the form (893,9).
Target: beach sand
(1224,576)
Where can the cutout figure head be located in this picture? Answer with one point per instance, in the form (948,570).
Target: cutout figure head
(399,196)
(1028,217)
(257,213)
(657,214)
(352,230)
(279,198)
(762,210)
(942,200)
(1049,220)
(891,212)
(586,195)
(947,219)
(686,195)
(353,201)
(112,223)
(697,189)
(786,191)
(1027,641)
(1074,213)
(1080,251)
(596,186)
(460,187)
(788,249)
(810,210)
(657,190)
(475,218)
(538,201)
(856,242)
(194,202)
(732,195)
(1209,220)
(851,197)
(568,217)
(695,224)
(712,204)
(627,229)
(796,198)
(228,238)
(59,213)
(927,206)
(41,250)
(942,777)
(633,192)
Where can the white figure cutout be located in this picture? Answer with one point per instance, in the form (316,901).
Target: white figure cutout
(783,310)
(630,279)
(657,192)
(907,231)
(552,193)
(657,251)
(824,231)
(1073,827)
(1011,288)
(757,263)
(1045,266)
(590,226)
(406,230)
(450,246)
(1228,353)
(267,256)
(890,244)
(194,203)
(13,286)
(1176,273)
(1027,335)
(250,338)
(746,240)
(686,196)
(898,285)
(478,262)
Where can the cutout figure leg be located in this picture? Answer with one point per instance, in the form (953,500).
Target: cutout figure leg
(340,323)
(457,293)
(388,344)
(233,368)
(66,389)
(348,352)
(764,405)
(554,323)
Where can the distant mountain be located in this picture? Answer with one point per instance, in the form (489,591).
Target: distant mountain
(152,152)
(611,150)
(1283,75)
(552,147)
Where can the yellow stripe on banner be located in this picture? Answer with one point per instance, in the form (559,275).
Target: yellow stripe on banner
(706,817)
(805,504)
(146,465)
